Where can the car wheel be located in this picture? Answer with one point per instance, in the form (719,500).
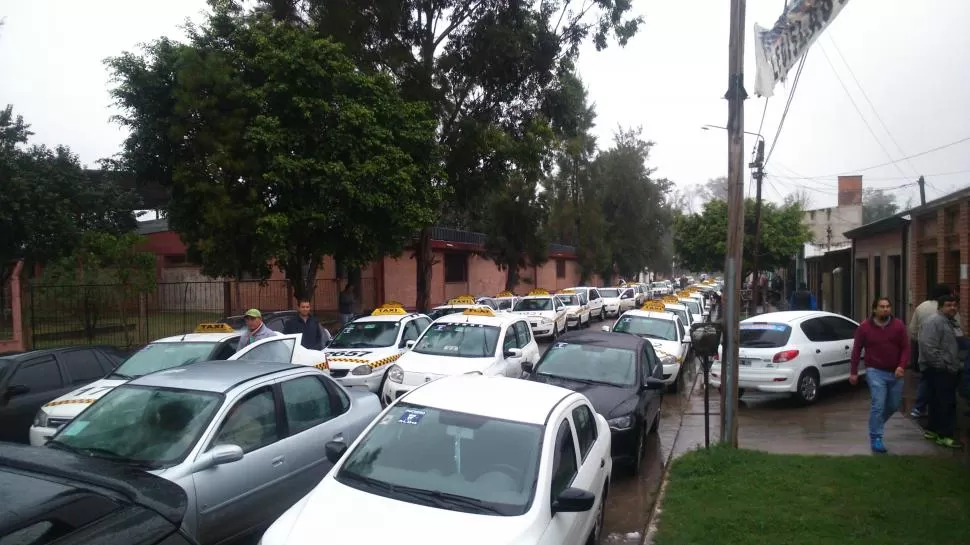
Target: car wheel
(555,332)
(655,425)
(380,389)
(636,463)
(602,314)
(807,388)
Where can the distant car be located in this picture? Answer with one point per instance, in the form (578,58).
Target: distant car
(578,314)
(593,300)
(454,305)
(464,459)
(794,352)
(245,440)
(63,498)
(622,377)
(664,330)
(618,300)
(544,311)
(28,380)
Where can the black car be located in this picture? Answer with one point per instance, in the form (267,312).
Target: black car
(56,496)
(622,377)
(28,380)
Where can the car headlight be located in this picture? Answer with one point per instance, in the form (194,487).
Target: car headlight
(40,421)
(395,374)
(667,359)
(362,370)
(621,423)
(547,320)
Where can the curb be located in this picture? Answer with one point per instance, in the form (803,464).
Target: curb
(651,527)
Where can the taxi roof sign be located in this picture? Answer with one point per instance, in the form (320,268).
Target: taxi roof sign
(214,328)
(392,304)
(538,292)
(654,305)
(505,294)
(479,311)
(683,293)
(389,311)
(671,299)
(567,291)
(463,300)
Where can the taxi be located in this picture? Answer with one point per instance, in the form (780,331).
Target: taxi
(577,308)
(210,341)
(545,312)
(665,332)
(479,341)
(674,305)
(506,300)
(454,305)
(363,350)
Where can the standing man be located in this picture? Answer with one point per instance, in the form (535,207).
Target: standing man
(938,353)
(921,313)
(802,299)
(345,305)
(886,342)
(306,324)
(256,330)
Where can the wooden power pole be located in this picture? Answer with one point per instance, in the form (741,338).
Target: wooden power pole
(759,175)
(922,190)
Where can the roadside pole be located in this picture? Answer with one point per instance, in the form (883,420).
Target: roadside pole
(758,175)
(732,262)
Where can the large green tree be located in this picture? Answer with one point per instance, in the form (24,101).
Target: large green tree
(878,204)
(276,146)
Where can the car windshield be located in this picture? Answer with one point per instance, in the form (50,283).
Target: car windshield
(439,312)
(462,340)
(694,307)
(764,335)
(448,460)
(533,305)
(650,328)
(569,300)
(161,356)
(682,314)
(366,335)
(154,427)
(504,303)
(589,362)
(4,362)
(611,293)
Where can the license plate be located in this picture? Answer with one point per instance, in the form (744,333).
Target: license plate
(535,324)
(745,361)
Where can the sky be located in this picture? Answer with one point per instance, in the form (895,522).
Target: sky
(887,80)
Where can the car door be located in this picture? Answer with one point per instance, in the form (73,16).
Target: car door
(828,353)
(650,367)
(411,333)
(591,476)
(82,366)
(563,527)
(511,366)
(560,314)
(235,497)
(274,349)
(42,380)
(595,302)
(530,349)
(842,333)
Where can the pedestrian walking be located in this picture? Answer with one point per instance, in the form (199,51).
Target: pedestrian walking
(885,341)
(256,330)
(802,299)
(938,352)
(921,313)
(307,325)
(346,304)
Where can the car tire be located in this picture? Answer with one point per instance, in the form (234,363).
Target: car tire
(555,332)
(602,315)
(636,464)
(806,389)
(655,425)
(380,389)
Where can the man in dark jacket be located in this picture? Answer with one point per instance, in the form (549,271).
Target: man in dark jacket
(802,299)
(308,325)
(886,342)
(938,357)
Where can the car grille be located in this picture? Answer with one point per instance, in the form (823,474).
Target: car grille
(56,423)
(338,373)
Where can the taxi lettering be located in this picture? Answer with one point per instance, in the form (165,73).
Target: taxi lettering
(93,391)
(349,353)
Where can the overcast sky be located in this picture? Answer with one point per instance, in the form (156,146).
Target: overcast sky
(909,57)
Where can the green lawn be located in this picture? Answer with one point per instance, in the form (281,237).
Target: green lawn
(727,497)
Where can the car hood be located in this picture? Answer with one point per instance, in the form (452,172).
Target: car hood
(71,404)
(413,362)
(673,348)
(604,397)
(349,358)
(343,514)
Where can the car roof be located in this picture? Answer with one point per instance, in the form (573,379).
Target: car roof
(63,469)
(494,397)
(198,337)
(387,317)
(215,376)
(613,340)
(678,306)
(500,319)
(52,351)
(652,314)
(788,316)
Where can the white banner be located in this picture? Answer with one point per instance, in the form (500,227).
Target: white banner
(778,49)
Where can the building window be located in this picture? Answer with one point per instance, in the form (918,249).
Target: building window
(456,268)
(560,268)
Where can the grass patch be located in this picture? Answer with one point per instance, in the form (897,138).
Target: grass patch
(730,496)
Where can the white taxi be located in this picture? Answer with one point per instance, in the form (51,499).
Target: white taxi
(478,341)
(545,312)
(209,342)
(616,301)
(505,301)
(577,308)
(665,332)
(455,305)
(483,460)
(674,306)
(363,350)
(594,300)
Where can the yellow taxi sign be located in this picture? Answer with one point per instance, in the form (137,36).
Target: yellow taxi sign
(691,289)
(392,304)
(505,294)
(538,292)
(671,299)
(567,291)
(389,311)
(214,328)
(479,311)
(683,294)
(463,300)
(653,305)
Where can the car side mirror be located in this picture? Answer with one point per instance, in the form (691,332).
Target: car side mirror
(334,451)
(15,390)
(654,383)
(513,353)
(409,344)
(527,367)
(573,500)
(219,455)
(605,329)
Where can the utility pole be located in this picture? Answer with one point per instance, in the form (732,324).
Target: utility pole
(922,190)
(758,175)
(732,262)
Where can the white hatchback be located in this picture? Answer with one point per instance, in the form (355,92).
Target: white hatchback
(470,459)
(793,352)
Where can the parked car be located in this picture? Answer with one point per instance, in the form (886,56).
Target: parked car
(68,499)
(28,380)
(622,377)
(244,440)
(467,458)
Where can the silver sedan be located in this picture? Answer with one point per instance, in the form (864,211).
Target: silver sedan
(244,439)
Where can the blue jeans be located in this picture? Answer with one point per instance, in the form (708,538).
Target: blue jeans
(887,394)
(965,385)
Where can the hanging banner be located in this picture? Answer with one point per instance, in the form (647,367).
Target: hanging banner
(776,50)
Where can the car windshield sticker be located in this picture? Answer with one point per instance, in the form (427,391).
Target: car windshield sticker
(561,345)
(774,327)
(370,326)
(349,329)
(450,348)
(626,319)
(411,416)
(440,327)
(76,428)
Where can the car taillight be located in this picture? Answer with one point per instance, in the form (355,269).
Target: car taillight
(787,355)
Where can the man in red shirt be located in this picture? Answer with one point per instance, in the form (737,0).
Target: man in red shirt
(886,343)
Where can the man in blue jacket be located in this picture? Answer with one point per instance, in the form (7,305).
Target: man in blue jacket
(802,299)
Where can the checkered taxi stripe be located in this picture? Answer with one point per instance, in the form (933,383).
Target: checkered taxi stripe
(374,364)
(70,401)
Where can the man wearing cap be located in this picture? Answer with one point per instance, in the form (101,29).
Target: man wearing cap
(256,330)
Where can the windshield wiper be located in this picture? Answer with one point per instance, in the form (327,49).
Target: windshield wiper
(61,445)
(574,379)
(97,452)
(120,375)
(446,499)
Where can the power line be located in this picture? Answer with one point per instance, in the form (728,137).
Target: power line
(784,114)
(880,165)
(796,176)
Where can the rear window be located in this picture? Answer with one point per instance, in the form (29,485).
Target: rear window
(764,335)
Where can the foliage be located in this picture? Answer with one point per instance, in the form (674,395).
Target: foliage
(701,244)
(800,197)
(877,204)
(278,147)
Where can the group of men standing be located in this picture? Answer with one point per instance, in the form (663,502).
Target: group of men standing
(314,336)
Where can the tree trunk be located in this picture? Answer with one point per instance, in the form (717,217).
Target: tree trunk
(302,274)
(424,256)
(511,277)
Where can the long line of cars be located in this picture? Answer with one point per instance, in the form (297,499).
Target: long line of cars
(241,432)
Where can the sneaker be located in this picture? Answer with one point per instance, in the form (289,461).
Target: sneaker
(916,413)
(877,446)
(931,435)
(948,442)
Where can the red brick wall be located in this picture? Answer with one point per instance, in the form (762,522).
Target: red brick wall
(963,231)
